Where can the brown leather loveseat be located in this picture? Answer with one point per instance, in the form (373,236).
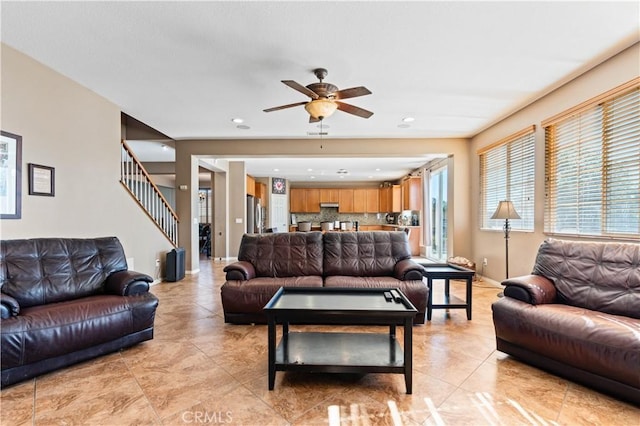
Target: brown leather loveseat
(63,301)
(267,262)
(577,315)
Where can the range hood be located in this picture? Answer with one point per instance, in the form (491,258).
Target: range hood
(329,205)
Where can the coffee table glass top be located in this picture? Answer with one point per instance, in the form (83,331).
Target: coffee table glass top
(342,299)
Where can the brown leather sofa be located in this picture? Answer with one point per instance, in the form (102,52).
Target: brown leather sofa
(267,262)
(63,301)
(577,315)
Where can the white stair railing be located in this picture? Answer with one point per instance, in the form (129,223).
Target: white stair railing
(136,180)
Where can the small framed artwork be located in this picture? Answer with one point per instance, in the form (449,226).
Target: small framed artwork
(42,180)
(278,186)
(10,176)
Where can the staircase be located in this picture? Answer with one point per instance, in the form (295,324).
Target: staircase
(136,180)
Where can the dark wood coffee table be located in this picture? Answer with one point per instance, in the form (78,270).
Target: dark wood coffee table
(334,352)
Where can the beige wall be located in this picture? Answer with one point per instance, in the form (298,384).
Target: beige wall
(66,126)
(523,245)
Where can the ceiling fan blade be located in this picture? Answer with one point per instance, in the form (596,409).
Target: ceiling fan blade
(360,112)
(351,93)
(313,119)
(300,88)
(284,106)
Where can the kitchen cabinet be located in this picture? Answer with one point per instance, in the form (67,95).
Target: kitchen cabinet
(302,200)
(391,199)
(372,204)
(312,201)
(297,200)
(261,192)
(251,186)
(329,195)
(345,201)
(359,200)
(412,193)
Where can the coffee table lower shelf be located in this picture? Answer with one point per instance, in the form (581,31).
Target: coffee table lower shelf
(339,353)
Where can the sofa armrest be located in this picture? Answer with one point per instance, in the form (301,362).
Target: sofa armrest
(240,271)
(533,289)
(127,283)
(9,307)
(407,269)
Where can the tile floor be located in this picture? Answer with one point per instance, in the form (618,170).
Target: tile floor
(199,370)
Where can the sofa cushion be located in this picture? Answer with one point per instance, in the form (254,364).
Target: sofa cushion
(602,277)
(47,270)
(603,344)
(253,295)
(47,331)
(287,254)
(364,253)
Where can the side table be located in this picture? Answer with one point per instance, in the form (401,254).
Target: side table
(447,272)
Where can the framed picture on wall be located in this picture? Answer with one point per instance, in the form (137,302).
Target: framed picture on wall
(41,180)
(10,176)
(278,186)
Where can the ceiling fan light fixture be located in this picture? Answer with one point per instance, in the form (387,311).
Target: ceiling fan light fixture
(321,108)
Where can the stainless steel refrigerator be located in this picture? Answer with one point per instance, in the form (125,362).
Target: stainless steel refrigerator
(254,215)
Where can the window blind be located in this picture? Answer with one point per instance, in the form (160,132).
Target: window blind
(507,173)
(592,171)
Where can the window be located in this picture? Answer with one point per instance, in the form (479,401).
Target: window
(507,173)
(592,173)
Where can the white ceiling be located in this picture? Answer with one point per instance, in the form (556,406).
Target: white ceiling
(188,68)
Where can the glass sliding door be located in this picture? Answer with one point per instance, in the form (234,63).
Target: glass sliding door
(437,205)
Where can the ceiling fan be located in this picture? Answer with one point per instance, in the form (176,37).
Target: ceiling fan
(325,98)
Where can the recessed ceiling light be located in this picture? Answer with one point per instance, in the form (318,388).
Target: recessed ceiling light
(243,127)
(237,120)
(370,177)
(408,119)
(312,177)
(378,169)
(276,170)
(404,126)
(309,170)
(341,177)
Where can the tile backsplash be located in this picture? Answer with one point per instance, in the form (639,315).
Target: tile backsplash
(330,214)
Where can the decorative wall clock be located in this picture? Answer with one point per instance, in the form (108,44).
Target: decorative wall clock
(278,186)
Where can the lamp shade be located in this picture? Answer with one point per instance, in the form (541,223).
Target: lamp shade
(321,108)
(505,210)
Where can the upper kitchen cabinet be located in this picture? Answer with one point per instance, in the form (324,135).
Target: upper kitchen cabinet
(251,186)
(313,201)
(359,200)
(304,200)
(412,193)
(391,199)
(365,200)
(329,195)
(261,192)
(297,200)
(372,204)
(345,201)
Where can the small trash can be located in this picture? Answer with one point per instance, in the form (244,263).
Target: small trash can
(175,265)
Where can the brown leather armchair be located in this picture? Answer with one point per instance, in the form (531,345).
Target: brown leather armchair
(577,315)
(63,301)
